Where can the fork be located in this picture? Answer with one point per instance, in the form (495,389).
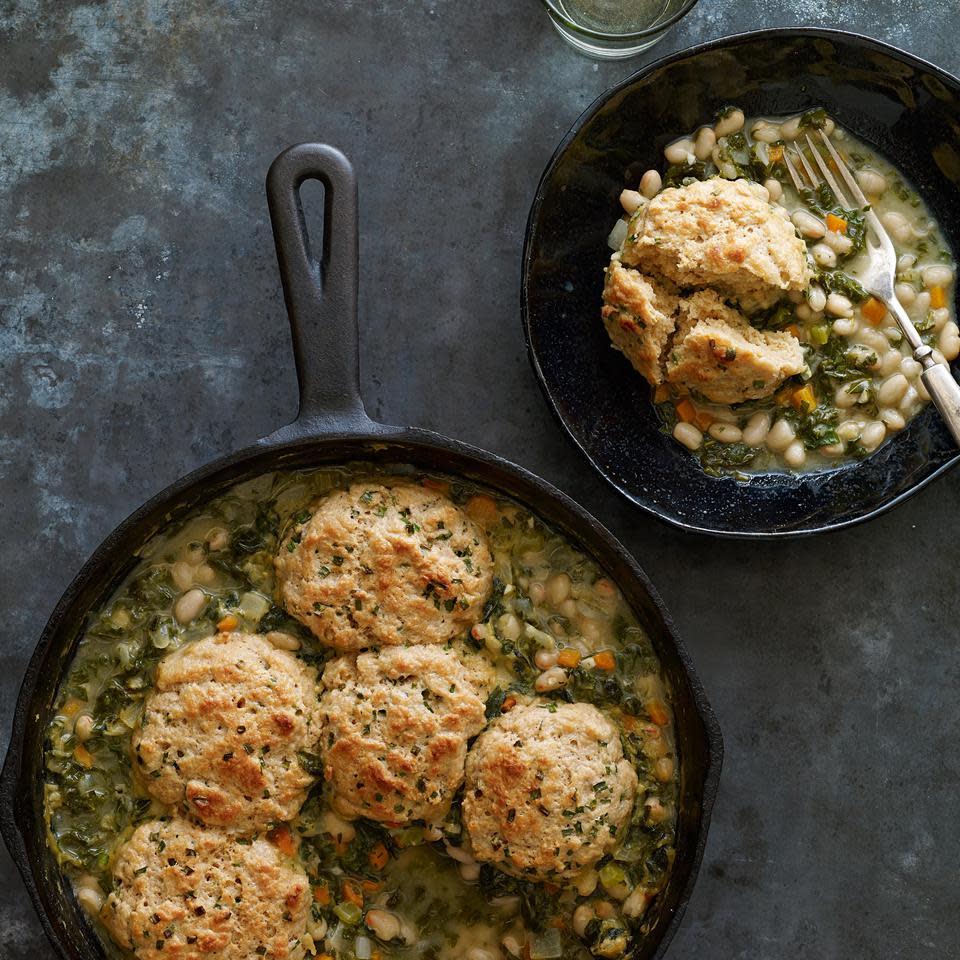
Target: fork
(880,272)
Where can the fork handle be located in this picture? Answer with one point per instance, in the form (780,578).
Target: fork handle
(945,393)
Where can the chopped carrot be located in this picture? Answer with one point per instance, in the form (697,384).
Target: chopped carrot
(803,398)
(72,707)
(793,330)
(482,510)
(324,956)
(658,713)
(370,886)
(229,622)
(321,894)
(83,756)
(938,297)
(661,393)
(776,154)
(508,704)
(340,848)
(352,893)
(282,838)
(550,888)
(568,658)
(874,311)
(703,419)
(605,660)
(556,922)
(686,411)
(836,224)
(378,856)
(432,483)
(629,723)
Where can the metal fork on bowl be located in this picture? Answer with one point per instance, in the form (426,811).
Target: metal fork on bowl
(881,272)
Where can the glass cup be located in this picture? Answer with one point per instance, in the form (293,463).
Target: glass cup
(614,29)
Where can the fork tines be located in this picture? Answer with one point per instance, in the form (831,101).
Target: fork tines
(811,179)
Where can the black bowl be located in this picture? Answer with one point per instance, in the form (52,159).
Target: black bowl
(909,110)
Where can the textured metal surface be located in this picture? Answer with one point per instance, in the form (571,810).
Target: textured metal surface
(142,333)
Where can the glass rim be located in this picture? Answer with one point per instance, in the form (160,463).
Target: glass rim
(618,37)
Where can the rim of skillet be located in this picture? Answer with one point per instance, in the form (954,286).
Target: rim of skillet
(730,40)
(12,770)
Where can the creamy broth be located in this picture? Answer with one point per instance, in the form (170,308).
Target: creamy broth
(861,385)
(555,628)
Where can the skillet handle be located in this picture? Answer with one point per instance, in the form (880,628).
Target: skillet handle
(321,297)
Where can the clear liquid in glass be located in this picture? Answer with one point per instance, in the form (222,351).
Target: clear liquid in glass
(614,16)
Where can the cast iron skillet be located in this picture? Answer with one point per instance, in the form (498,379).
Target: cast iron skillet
(908,109)
(332,428)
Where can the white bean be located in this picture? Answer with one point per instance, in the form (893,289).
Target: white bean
(545,659)
(774,188)
(551,679)
(558,588)
(897,226)
(848,430)
(780,437)
(688,435)
(911,398)
(890,362)
(189,606)
(839,306)
(949,341)
(636,904)
(509,627)
(905,262)
(872,434)
(705,142)
(906,293)
(731,123)
(838,242)
(892,390)
(939,275)
(725,432)
(478,953)
(91,899)
(83,728)
(341,830)
(587,882)
(757,428)
(829,126)
(795,455)
(728,171)
(874,340)
(790,129)
(205,574)
(833,449)
(843,399)
(650,184)
(910,368)
(939,317)
(766,132)
(217,539)
(893,420)
(469,871)
(817,298)
(824,256)
(921,305)
(803,311)
(511,945)
(679,151)
(871,182)
(383,924)
(182,575)
(808,224)
(630,200)
(283,641)
(845,327)
(581,917)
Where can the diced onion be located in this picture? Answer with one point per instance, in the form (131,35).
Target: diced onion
(617,235)
(363,948)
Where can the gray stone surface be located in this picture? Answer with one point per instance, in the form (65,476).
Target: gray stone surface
(142,333)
